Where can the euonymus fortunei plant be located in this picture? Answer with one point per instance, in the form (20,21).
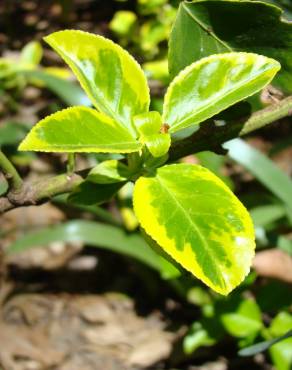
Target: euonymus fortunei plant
(188,211)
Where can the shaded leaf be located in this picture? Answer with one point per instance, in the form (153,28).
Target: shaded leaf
(69,92)
(79,129)
(88,193)
(263,346)
(199,222)
(281,352)
(90,233)
(109,172)
(11,133)
(267,172)
(204,27)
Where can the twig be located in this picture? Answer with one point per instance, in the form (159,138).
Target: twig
(10,172)
(210,137)
(40,191)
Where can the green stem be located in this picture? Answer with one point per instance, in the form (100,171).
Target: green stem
(208,137)
(268,115)
(71,164)
(10,172)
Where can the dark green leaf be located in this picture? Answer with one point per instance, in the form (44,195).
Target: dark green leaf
(208,27)
(88,193)
(263,346)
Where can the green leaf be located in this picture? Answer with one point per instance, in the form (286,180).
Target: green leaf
(149,126)
(148,123)
(272,177)
(109,172)
(263,346)
(245,321)
(169,269)
(79,129)
(197,337)
(157,70)
(91,233)
(158,144)
(111,77)
(213,84)
(31,54)
(199,222)
(281,352)
(123,22)
(88,193)
(12,132)
(68,91)
(204,27)
(3,187)
(264,215)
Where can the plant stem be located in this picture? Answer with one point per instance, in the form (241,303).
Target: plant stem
(71,164)
(210,137)
(40,191)
(10,172)
(268,115)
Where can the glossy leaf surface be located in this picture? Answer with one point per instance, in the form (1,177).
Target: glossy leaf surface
(158,144)
(109,172)
(199,222)
(111,77)
(213,84)
(149,126)
(79,129)
(205,27)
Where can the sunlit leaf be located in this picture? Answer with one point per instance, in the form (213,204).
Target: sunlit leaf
(149,127)
(212,84)
(199,222)
(79,129)
(111,77)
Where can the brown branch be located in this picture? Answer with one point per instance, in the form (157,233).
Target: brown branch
(208,137)
(32,193)
(211,137)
